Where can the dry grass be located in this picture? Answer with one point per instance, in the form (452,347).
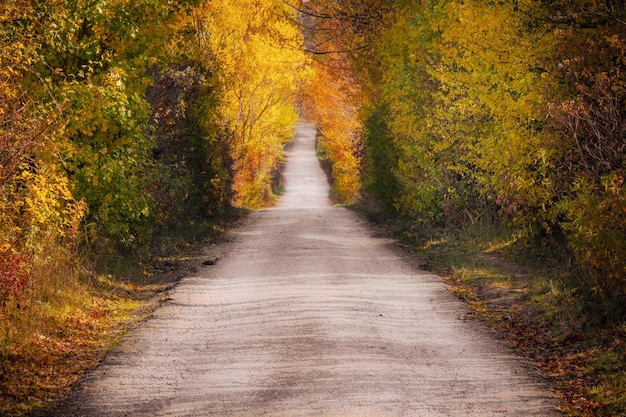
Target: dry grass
(68,317)
(529,302)
(59,326)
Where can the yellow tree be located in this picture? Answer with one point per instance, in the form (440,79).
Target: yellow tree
(37,208)
(257,51)
(463,85)
(489,100)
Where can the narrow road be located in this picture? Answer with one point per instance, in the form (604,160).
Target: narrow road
(306,313)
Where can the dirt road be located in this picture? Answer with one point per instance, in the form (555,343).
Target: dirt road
(307,314)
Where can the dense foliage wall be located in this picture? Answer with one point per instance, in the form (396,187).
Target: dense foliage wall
(121,118)
(510,112)
(334,94)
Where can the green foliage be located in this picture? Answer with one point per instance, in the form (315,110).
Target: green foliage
(118,117)
(121,120)
(381,157)
(409,90)
(90,71)
(192,161)
(89,68)
(107,157)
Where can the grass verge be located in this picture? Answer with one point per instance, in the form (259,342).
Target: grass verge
(526,296)
(47,344)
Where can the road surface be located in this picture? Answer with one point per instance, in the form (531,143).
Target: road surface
(306,313)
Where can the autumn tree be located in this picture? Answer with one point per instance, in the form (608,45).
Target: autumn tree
(118,119)
(507,113)
(335,113)
(189,154)
(38,211)
(78,165)
(339,36)
(586,109)
(92,66)
(255,48)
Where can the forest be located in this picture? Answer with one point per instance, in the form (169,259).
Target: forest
(121,121)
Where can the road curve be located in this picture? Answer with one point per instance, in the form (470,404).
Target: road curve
(306,313)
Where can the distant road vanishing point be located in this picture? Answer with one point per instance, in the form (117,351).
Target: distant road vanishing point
(307,313)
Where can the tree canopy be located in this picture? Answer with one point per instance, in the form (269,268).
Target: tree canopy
(509,111)
(121,118)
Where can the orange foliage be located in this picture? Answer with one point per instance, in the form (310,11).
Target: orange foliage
(331,100)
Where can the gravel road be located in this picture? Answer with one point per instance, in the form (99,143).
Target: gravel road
(307,313)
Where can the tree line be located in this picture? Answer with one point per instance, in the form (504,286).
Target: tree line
(482,112)
(120,118)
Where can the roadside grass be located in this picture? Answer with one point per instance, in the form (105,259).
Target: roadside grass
(61,327)
(524,292)
(73,315)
